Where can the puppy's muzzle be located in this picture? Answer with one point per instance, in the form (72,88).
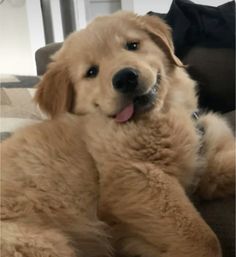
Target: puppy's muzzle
(125,81)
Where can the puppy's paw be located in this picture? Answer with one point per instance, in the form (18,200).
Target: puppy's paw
(219,152)
(217,132)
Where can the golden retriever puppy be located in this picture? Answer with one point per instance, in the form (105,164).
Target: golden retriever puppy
(122,76)
(135,103)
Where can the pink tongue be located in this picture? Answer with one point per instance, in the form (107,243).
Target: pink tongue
(125,114)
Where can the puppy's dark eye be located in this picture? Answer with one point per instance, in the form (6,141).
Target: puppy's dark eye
(132,46)
(92,72)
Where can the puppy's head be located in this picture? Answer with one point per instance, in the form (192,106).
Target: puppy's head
(116,66)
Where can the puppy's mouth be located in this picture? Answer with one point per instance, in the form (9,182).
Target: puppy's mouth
(139,104)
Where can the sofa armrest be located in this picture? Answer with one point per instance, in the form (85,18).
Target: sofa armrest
(43,56)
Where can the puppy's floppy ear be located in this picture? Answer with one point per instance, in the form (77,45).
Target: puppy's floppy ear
(160,32)
(55,91)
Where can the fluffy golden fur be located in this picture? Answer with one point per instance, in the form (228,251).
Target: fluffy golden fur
(49,194)
(80,185)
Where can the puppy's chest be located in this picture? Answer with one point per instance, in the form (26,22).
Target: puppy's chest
(171,144)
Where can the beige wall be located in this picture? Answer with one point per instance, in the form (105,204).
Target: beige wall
(15,48)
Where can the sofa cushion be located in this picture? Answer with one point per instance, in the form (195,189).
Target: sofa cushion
(214,70)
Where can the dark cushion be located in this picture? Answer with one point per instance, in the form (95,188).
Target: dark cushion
(214,70)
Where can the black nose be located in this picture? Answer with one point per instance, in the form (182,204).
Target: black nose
(125,80)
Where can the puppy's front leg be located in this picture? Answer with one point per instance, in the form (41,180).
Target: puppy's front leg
(151,215)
